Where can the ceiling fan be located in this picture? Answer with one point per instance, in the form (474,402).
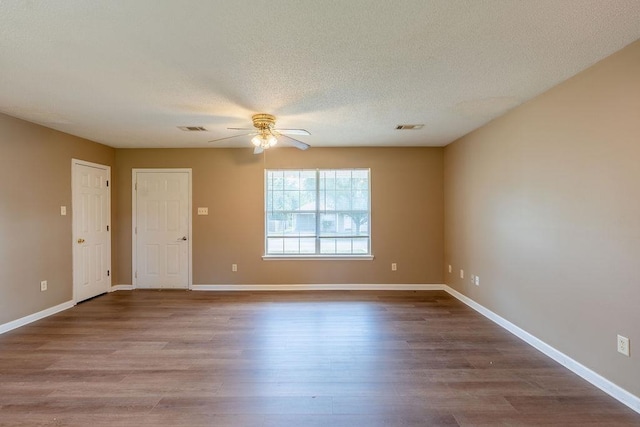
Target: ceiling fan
(266,134)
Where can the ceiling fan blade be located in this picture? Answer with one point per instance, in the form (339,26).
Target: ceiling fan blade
(253,129)
(298,144)
(292,131)
(229,137)
(258,150)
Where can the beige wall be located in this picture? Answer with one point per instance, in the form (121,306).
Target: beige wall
(407,221)
(35,240)
(544,205)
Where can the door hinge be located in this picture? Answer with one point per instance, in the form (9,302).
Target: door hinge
(108,273)
(136,230)
(107,183)
(136,275)
(107,227)
(136,186)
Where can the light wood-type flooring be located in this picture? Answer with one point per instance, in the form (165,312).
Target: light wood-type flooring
(180,358)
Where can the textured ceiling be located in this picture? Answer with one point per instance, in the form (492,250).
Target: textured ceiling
(126,73)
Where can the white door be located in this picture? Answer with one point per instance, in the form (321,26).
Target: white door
(161,229)
(91,235)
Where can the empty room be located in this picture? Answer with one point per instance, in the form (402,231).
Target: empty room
(358,213)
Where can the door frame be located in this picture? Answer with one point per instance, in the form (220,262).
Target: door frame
(74,223)
(134,216)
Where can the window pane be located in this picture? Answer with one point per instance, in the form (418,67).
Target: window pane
(327,246)
(349,226)
(359,182)
(276,181)
(358,223)
(276,224)
(308,200)
(291,200)
(308,246)
(291,246)
(360,246)
(328,224)
(343,200)
(328,177)
(292,180)
(360,174)
(327,200)
(308,179)
(343,246)
(275,246)
(304,224)
(360,201)
(277,200)
(343,180)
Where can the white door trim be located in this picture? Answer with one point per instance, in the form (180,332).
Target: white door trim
(134,211)
(74,226)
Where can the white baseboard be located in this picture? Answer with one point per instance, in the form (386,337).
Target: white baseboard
(615,391)
(35,316)
(321,287)
(121,288)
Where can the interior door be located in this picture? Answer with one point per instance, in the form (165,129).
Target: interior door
(91,234)
(161,227)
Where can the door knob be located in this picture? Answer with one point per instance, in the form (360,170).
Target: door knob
(183,238)
(80,240)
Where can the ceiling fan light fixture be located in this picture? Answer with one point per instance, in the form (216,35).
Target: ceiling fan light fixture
(264,140)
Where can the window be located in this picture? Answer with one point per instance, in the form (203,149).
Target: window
(317,212)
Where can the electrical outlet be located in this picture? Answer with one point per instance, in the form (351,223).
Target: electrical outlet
(477,282)
(449,268)
(461,273)
(394,266)
(203,211)
(623,345)
(43,285)
(234,267)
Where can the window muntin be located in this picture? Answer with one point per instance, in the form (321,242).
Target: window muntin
(317,212)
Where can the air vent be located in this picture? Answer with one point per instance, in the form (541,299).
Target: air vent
(409,127)
(192,128)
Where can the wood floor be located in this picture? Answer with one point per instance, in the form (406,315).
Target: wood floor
(179,358)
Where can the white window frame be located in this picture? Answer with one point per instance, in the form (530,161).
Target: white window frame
(317,256)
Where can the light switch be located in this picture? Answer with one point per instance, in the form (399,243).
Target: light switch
(203,211)
(63,210)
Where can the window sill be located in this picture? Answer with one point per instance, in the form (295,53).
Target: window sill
(317,257)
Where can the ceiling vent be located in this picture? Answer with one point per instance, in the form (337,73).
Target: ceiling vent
(192,128)
(409,127)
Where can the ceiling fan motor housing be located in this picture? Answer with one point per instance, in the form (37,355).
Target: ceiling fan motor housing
(263,121)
